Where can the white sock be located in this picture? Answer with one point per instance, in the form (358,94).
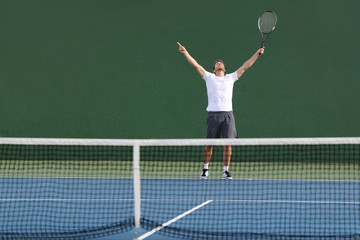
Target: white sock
(226,168)
(206,166)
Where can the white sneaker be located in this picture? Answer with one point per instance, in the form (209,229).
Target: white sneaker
(226,175)
(204,174)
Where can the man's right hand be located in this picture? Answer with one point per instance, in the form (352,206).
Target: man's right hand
(191,60)
(182,49)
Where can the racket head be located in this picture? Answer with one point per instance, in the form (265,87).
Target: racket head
(267,22)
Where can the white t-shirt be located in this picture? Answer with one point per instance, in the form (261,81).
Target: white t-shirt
(219,91)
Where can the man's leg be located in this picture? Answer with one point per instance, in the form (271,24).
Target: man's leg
(227,156)
(207,154)
(207,157)
(212,131)
(228,131)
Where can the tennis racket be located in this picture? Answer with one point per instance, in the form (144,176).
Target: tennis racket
(266,23)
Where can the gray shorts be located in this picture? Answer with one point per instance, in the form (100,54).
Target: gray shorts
(221,124)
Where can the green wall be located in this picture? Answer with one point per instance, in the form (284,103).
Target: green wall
(111,69)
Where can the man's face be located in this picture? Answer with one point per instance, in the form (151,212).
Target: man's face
(219,66)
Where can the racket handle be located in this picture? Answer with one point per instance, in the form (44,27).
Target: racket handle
(262,46)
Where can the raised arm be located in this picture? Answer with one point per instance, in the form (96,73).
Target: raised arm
(249,62)
(191,60)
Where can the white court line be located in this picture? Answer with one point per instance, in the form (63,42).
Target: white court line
(172,221)
(59,199)
(211,179)
(287,201)
(172,199)
(254,200)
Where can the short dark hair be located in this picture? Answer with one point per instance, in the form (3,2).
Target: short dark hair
(219,60)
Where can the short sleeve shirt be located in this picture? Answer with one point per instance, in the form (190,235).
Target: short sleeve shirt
(219,91)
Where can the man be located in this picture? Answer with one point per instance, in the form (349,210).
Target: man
(220,122)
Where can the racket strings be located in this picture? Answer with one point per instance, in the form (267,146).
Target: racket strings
(267,22)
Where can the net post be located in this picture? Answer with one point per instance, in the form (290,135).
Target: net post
(137,194)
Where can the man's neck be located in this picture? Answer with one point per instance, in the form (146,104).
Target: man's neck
(220,73)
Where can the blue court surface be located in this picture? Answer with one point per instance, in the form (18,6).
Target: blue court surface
(182,208)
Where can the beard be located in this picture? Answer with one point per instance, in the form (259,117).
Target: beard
(221,69)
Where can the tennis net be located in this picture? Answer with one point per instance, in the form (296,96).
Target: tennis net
(306,188)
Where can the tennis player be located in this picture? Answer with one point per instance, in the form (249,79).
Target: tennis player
(221,121)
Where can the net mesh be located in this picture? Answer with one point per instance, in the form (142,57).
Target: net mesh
(279,191)
(65,192)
